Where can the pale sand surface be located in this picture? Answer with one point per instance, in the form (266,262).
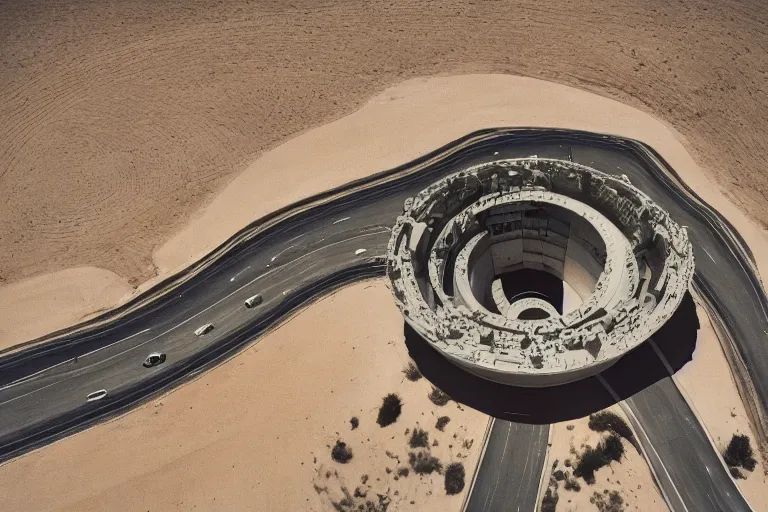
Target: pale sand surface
(710,389)
(632,477)
(46,303)
(245,435)
(400,124)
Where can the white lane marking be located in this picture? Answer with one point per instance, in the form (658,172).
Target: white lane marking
(342,220)
(661,357)
(498,477)
(710,256)
(206,309)
(233,279)
(27,377)
(495,153)
(359,251)
(281,252)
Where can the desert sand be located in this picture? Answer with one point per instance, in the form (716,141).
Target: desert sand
(120,121)
(255,433)
(709,387)
(631,477)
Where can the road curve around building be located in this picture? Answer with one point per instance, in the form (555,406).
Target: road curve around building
(308,249)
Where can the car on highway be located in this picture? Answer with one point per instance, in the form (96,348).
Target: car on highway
(154,359)
(96,395)
(254,301)
(205,329)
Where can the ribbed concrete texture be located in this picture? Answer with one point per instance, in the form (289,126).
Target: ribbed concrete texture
(462,254)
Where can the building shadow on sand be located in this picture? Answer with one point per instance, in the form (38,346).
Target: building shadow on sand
(634,372)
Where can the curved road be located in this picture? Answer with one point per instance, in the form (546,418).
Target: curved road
(318,246)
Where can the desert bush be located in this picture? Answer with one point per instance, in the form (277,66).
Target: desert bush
(589,461)
(403,472)
(735,473)
(611,448)
(350,503)
(571,484)
(611,502)
(340,453)
(419,438)
(423,463)
(739,453)
(442,421)
(606,421)
(549,501)
(454,478)
(438,397)
(390,410)
(411,372)
(354,422)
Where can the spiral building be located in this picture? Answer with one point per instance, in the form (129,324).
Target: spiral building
(468,253)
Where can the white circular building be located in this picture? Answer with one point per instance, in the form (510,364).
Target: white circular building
(456,253)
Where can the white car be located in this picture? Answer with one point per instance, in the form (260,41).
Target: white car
(204,329)
(254,301)
(154,359)
(96,395)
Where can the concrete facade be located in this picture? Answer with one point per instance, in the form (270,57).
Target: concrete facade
(621,253)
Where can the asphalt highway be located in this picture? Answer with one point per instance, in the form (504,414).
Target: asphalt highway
(511,469)
(43,388)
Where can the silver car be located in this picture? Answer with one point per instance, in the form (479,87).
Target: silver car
(154,359)
(254,301)
(204,329)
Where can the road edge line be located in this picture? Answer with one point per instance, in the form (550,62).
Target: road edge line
(543,481)
(488,428)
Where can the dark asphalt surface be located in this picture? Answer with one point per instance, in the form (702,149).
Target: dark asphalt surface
(509,475)
(296,260)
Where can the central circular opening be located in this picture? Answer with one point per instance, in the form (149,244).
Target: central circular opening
(533,314)
(532,252)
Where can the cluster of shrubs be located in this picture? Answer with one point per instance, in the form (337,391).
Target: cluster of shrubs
(422,461)
(608,501)
(358,503)
(610,449)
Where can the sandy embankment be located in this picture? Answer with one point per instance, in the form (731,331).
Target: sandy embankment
(397,125)
(245,435)
(708,385)
(631,477)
